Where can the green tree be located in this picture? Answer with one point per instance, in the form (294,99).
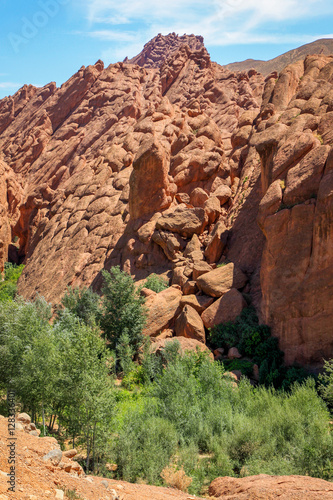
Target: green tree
(83,303)
(37,377)
(84,397)
(19,322)
(123,310)
(326,383)
(8,285)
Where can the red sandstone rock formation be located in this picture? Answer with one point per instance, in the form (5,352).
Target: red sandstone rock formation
(262,487)
(169,163)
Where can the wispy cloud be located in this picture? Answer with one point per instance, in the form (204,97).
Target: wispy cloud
(221,22)
(209,12)
(10,85)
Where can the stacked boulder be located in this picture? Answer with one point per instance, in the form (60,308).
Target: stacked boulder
(215,298)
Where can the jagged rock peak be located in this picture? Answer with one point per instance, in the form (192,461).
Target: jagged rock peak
(159,49)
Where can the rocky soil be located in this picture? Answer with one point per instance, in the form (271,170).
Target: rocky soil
(170,163)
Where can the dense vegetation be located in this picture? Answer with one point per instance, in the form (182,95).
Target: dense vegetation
(8,288)
(173,416)
(255,342)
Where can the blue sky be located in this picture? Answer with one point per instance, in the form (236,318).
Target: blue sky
(49,40)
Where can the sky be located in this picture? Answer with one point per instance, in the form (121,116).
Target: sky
(49,40)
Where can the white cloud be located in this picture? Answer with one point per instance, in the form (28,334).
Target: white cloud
(220,22)
(180,11)
(10,85)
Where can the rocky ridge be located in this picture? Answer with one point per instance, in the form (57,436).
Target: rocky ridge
(175,165)
(323,46)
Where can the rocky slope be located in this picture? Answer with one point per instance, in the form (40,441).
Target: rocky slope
(323,46)
(171,165)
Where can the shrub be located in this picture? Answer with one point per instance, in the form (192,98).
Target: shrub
(245,366)
(326,383)
(156,283)
(83,303)
(252,340)
(72,495)
(144,447)
(8,287)
(176,478)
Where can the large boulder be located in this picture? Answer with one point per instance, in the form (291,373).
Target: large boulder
(200,268)
(193,247)
(198,302)
(198,197)
(225,309)
(186,345)
(162,307)
(170,243)
(185,221)
(221,280)
(189,324)
(223,193)
(216,242)
(53,456)
(23,418)
(212,208)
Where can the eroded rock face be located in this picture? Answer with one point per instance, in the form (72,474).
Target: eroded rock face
(169,163)
(296,276)
(149,183)
(97,159)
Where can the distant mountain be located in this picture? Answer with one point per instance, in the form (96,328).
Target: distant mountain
(323,46)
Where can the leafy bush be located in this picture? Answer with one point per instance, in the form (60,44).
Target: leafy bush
(255,341)
(180,411)
(241,432)
(243,365)
(60,370)
(156,283)
(83,303)
(144,447)
(8,287)
(326,383)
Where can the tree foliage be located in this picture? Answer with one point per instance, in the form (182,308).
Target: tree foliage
(83,303)
(8,285)
(122,309)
